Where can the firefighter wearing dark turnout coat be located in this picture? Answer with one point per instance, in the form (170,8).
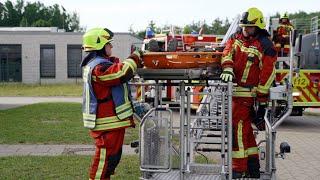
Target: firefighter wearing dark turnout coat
(248,59)
(107,108)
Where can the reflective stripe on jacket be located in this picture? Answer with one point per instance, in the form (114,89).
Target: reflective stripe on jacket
(119,95)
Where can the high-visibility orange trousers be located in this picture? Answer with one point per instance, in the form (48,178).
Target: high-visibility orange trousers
(245,156)
(107,155)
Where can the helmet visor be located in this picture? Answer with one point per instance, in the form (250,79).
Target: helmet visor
(244,20)
(110,33)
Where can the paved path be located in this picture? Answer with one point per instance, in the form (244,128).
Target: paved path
(12,102)
(303,135)
(52,150)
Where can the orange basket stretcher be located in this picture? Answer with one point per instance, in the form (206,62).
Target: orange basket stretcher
(181,60)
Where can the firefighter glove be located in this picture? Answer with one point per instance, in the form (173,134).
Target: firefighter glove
(259,118)
(137,57)
(139,53)
(227,75)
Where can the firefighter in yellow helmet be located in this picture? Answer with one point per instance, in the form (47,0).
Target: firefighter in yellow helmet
(248,60)
(107,108)
(281,36)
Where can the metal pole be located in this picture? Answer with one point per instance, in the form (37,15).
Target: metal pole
(182,151)
(223,135)
(187,125)
(289,86)
(156,95)
(230,85)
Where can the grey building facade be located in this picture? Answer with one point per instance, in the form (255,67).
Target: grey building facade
(46,55)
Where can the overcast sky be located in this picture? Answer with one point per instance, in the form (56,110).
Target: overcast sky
(119,15)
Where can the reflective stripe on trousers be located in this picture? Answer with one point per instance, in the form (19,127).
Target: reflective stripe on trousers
(244,144)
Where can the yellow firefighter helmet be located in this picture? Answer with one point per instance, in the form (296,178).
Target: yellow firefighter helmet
(95,39)
(252,17)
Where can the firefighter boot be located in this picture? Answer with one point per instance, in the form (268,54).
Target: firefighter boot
(253,167)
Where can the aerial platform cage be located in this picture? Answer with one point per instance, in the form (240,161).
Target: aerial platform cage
(169,146)
(173,150)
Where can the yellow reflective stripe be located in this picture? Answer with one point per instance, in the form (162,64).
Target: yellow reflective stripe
(249,151)
(262,89)
(247,50)
(252,151)
(85,73)
(251,50)
(286,26)
(103,152)
(246,72)
(304,99)
(240,141)
(116,75)
(89,124)
(131,63)
(128,63)
(306,103)
(123,107)
(243,89)
(125,114)
(237,43)
(265,89)
(255,52)
(227,57)
(126,95)
(307,91)
(278,45)
(287,46)
(244,94)
(87,99)
(123,123)
(89,116)
(107,120)
(241,152)
(238,154)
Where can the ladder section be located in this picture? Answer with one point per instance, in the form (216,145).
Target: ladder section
(209,133)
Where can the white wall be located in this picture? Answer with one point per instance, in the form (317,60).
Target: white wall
(31,41)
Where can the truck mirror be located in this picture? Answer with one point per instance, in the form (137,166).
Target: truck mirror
(299,50)
(294,37)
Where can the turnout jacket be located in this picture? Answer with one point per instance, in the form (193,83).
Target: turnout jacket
(253,62)
(106,98)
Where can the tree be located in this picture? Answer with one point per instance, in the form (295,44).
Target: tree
(187,30)
(37,14)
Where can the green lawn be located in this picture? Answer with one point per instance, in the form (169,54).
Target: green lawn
(61,167)
(48,123)
(18,89)
(68,167)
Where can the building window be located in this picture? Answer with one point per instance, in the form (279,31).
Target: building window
(10,63)
(47,61)
(74,60)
